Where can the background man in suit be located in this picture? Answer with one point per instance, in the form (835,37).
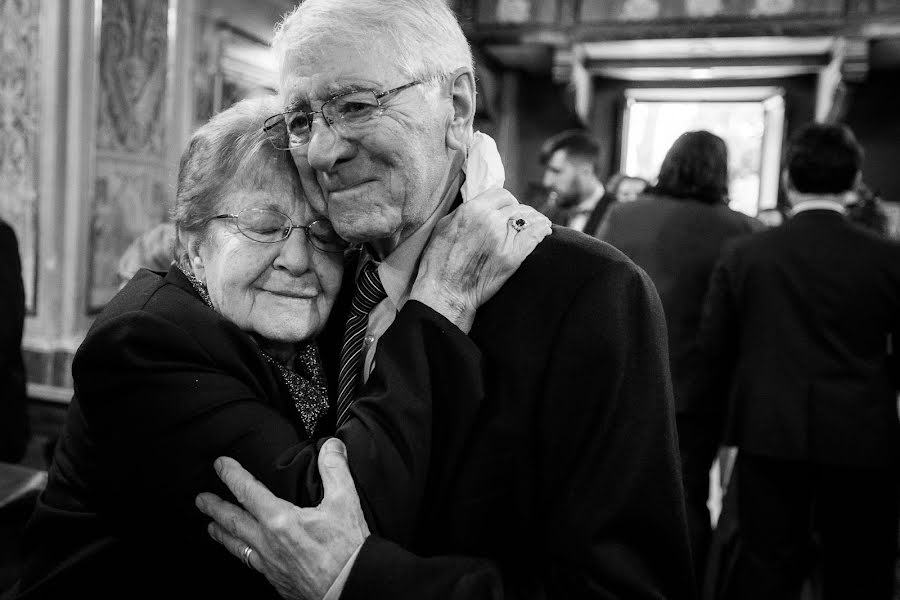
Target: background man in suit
(568,486)
(797,327)
(14,429)
(576,196)
(675,232)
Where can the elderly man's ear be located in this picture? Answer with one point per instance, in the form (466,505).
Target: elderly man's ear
(462,94)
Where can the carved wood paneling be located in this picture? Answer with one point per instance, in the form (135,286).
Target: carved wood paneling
(643,10)
(130,178)
(20,122)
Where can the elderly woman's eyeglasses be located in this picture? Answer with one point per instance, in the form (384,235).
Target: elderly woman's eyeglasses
(269,226)
(345,112)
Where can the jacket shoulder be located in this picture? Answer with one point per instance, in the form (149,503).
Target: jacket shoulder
(568,259)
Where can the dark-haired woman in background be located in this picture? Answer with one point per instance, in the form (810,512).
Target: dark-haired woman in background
(674,231)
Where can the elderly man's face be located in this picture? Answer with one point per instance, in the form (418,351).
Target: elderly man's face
(384,179)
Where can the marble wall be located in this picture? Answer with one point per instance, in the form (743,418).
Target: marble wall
(97,101)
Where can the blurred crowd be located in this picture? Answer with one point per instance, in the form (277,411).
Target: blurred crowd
(781,332)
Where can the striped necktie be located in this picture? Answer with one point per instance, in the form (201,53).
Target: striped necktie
(369,292)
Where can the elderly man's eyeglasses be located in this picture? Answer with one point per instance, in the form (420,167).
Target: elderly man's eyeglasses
(345,112)
(269,226)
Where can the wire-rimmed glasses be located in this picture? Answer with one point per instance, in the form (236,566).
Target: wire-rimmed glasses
(268,226)
(345,111)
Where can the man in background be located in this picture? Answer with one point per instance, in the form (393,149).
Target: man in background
(797,333)
(14,430)
(576,196)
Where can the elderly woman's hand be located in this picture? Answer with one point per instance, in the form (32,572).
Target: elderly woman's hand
(474,251)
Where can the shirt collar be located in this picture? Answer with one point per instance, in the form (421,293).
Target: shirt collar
(820,204)
(588,204)
(399,268)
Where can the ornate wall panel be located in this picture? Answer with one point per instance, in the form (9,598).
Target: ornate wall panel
(641,10)
(131,175)
(19,130)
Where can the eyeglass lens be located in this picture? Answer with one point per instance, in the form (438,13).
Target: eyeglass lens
(292,129)
(270,226)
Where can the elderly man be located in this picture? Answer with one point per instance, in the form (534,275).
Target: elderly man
(564,483)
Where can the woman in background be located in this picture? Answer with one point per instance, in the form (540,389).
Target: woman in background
(675,232)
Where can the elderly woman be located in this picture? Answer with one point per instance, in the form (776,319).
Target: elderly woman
(217,357)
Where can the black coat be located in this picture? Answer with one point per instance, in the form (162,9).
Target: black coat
(677,242)
(164,385)
(567,485)
(14,428)
(796,333)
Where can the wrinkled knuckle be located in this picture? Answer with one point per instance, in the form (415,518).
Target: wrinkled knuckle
(279,522)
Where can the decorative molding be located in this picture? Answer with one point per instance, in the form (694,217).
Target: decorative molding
(130,176)
(133,42)
(128,200)
(20,120)
(639,10)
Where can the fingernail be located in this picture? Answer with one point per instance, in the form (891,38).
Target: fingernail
(337,446)
(218,465)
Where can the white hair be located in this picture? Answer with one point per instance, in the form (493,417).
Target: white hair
(425,34)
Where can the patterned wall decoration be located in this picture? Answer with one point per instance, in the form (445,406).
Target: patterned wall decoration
(598,11)
(703,8)
(131,177)
(773,7)
(513,11)
(19,130)
(640,9)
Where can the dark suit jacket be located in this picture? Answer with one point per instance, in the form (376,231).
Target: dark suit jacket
(164,385)
(567,485)
(14,428)
(560,216)
(795,330)
(676,242)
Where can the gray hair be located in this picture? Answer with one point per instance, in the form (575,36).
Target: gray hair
(230,152)
(425,34)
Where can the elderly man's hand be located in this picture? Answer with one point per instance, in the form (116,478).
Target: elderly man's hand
(301,551)
(474,251)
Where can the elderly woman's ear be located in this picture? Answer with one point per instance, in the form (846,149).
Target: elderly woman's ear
(462,95)
(196,261)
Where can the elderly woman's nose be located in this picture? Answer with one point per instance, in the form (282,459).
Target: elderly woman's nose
(295,253)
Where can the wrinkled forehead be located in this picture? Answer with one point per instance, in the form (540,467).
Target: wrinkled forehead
(332,68)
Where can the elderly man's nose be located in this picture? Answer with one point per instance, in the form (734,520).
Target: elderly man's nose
(326,148)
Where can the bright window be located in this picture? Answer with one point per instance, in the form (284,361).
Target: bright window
(750,120)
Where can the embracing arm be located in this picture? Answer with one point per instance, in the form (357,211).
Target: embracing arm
(613,522)
(164,409)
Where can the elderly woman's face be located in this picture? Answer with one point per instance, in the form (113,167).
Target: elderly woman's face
(282,291)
